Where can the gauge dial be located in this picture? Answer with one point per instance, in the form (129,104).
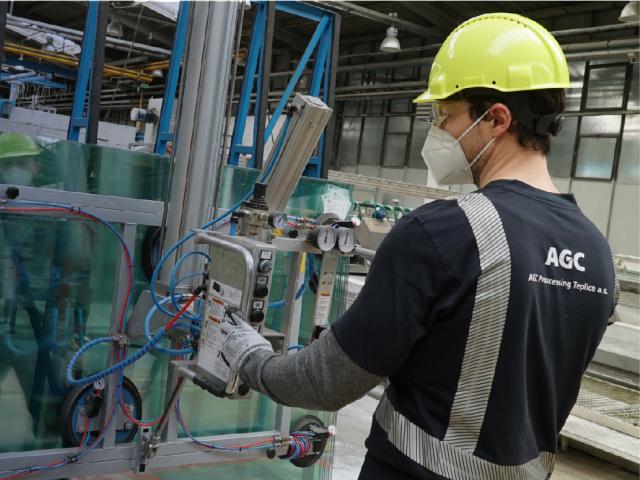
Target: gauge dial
(278,219)
(322,237)
(346,240)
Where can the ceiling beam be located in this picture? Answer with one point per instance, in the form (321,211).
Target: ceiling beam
(382,18)
(144,29)
(440,20)
(559,11)
(149,18)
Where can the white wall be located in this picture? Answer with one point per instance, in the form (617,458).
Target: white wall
(53,125)
(248,134)
(624,228)
(613,207)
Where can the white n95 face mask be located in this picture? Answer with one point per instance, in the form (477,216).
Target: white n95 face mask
(445,158)
(17,176)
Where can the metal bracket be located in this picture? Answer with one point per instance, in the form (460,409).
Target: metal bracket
(145,449)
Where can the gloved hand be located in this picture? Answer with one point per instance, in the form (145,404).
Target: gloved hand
(241,340)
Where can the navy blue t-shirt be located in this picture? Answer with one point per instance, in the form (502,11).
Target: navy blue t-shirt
(483,311)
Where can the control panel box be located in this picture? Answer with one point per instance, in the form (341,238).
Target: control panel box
(240,279)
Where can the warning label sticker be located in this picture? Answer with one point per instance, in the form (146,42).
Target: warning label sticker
(211,339)
(323,305)
(227,293)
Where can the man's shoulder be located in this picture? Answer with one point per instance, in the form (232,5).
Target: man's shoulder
(447,227)
(440,217)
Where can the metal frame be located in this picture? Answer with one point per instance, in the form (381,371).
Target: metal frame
(78,119)
(164,134)
(110,208)
(585,111)
(171,451)
(324,44)
(112,458)
(131,213)
(119,458)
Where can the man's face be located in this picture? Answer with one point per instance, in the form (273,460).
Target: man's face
(454,117)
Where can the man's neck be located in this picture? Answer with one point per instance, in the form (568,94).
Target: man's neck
(526,165)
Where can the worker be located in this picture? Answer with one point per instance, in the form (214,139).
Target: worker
(483,310)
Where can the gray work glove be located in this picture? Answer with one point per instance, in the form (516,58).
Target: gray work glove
(241,340)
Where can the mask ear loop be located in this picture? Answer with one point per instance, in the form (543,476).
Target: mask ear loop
(481,152)
(468,129)
(484,149)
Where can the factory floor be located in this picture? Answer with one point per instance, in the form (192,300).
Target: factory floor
(353,427)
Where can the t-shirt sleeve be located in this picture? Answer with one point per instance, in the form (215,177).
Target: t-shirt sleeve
(391,313)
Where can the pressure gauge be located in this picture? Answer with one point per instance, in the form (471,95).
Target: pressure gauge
(346,240)
(322,237)
(278,219)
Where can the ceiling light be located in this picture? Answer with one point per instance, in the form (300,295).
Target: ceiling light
(157,73)
(631,12)
(391,42)
(114,29)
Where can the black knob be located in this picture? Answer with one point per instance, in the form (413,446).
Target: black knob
(256,316)
(260,291)
(12,192)
(265,266)
(259,191)
(290,232)
(243,389)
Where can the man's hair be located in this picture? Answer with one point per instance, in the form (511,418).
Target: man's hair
(526,108)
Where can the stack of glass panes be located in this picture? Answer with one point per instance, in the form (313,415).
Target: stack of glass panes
(57,280)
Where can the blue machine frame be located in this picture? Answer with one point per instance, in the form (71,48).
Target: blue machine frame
(322,43)
(164,134)
(79,117)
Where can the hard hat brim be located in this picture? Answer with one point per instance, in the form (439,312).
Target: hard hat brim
(428,97)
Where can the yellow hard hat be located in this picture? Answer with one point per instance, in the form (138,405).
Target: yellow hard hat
(502,51)
(15,145)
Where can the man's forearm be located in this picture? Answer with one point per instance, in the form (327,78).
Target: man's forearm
(319,377)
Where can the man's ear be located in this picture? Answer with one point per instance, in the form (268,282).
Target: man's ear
(501,116)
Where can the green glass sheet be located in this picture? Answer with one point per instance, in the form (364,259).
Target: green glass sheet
(57,280)
(78,167)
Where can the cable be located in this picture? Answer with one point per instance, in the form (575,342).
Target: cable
(57,207)
(172,282)
(299,446)
(52,466)
(41,207)
(121,365)
(147,333)
(264,175)
(135,421)
(282,303)
(261,444)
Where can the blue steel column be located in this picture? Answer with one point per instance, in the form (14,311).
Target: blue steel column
(255,49)
(164,134)
(264,82)
(297,74)
(320,73)
(78,118)
(331,72)
(322,43)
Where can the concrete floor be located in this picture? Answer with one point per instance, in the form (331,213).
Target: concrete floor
(354,422)
(353,426)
